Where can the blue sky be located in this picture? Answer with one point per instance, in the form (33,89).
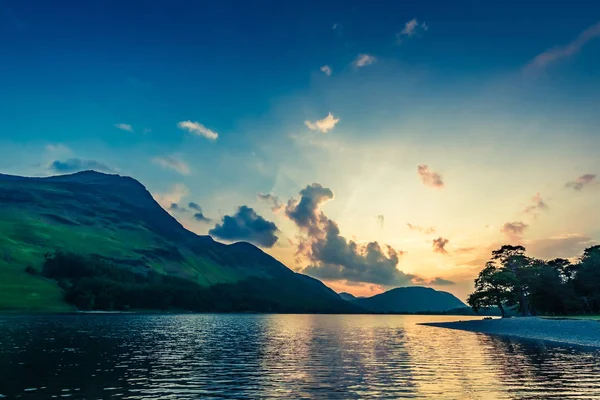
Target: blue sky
(501,100)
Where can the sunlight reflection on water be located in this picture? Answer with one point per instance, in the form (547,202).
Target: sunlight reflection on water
(270,356)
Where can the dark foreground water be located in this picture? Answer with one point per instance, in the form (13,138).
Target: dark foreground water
(270,356)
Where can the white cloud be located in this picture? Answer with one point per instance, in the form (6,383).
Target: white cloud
(177,192)
(411,28)
(124,127)
(549,56)
(326,69)
(363,60)
(58,149)
(198,129)
(323,125)
(172,162)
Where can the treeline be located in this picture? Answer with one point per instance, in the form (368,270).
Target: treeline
(95,284)
(539,287)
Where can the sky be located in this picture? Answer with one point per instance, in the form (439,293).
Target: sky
(368,144)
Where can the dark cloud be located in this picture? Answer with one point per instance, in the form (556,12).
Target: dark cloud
(334,257)
(175,207)
(246,225)
(380,220)
(429,177)
(537,204)
(441,282)
(199,216)
(77,164)
(306,213)
(273,201)
(439,245)
(514,230)
(194,206)
(581,182)
(435,281)
(426,230)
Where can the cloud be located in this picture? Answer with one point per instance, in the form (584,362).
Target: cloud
(380,220)
(562,246)
(411,28)
(331,256)
(439,245)
(338,29)
(466,249)
(538,204)
(174,195)
(124,127)
(77,164)
(246,225)
(514,230)
(429,177)
(58,148)
(176,208)
(198,215)
(198,129)
(363,60)
(326,69)
(581,182)
(426,230)
(435,281)
(172,162)
(548,57)
(323,125)
(306,212)
(273,200)
(194,206)
(441,282)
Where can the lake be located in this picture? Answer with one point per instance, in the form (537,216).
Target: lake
(280,356)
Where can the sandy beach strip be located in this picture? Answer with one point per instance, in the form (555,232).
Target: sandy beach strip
(567,331)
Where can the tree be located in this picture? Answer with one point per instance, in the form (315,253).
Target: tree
(587,278)
(513,259)
(566,270)
(493,287)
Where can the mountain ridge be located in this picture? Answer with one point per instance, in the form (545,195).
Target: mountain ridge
(116,219)
(410,299)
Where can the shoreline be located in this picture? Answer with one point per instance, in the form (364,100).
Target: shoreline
(562,331)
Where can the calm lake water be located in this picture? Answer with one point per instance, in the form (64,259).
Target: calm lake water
(271,356)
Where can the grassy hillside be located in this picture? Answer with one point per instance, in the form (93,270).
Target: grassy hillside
(110,218)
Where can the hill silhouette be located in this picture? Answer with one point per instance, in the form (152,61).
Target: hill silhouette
(114,220)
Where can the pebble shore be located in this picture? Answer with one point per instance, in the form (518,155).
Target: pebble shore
(567,331)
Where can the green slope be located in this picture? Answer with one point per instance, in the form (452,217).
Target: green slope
(112,218)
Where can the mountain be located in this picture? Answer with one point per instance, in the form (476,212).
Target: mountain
(410,299)
(115,221)
(347,296)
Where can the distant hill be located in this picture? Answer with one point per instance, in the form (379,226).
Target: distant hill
(115,220)
(409,299)
(347,296)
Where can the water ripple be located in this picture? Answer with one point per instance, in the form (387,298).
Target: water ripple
(280,356)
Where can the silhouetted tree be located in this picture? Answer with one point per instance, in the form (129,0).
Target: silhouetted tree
(493,287)
(513,259)
(587,278)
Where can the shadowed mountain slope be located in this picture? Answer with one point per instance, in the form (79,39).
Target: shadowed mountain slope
(115,219)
